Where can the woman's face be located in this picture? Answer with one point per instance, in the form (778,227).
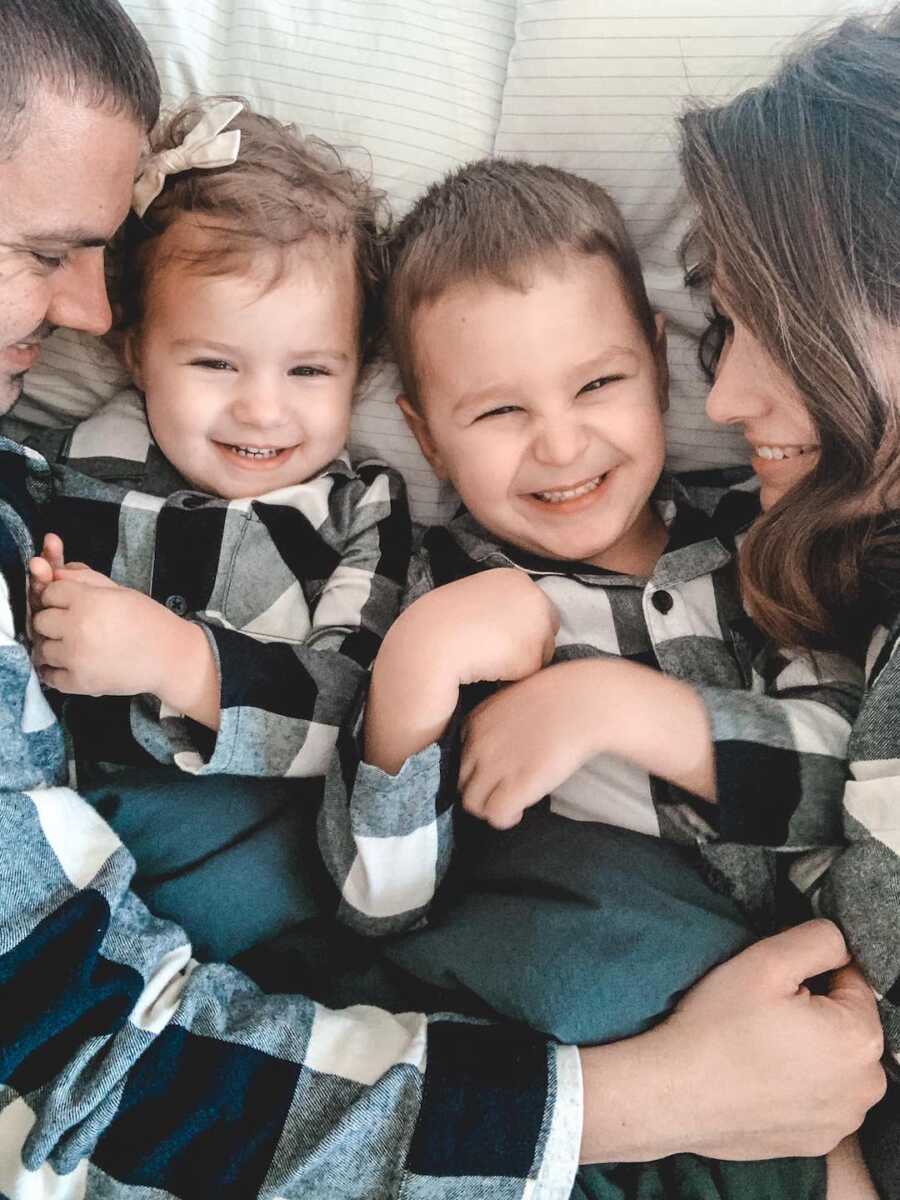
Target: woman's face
(752,391)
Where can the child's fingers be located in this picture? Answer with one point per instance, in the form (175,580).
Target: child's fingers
(61,593)
(49,623)
(54,551)
(40,570)
(503,809)
(49,653)
(55,678)
(81,573)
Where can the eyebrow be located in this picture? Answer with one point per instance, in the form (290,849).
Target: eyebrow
(224,348)
(76,238)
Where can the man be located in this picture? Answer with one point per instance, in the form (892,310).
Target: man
(125,1067)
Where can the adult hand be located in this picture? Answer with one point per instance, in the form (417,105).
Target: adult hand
(750,1064)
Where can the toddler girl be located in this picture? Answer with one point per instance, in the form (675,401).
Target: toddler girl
(242,570)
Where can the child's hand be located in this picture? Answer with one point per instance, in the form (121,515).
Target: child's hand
(524,741)
(495,625)
(41,568)
(95,638)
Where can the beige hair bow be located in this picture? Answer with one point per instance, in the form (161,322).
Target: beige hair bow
(205,146)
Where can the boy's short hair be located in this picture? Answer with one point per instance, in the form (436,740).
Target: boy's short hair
(494,220)
(285,187)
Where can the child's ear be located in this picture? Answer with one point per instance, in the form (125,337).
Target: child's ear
(662,361)
(422,434)
(131,352)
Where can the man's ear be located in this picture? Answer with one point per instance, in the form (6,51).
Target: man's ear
(660,352)
(422,434)
(131,352)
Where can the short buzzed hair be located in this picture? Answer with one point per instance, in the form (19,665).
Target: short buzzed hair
(495,220)
(87,50)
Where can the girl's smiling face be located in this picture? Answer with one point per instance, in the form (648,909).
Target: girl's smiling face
(248,382)
(752,391)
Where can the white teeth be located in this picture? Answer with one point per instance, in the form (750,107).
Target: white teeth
(780,452)
(557,497)
(256,451)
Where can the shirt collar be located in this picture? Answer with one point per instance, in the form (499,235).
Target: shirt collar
(698,544)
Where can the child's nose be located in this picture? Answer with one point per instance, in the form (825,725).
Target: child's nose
(560,442)
(260,404)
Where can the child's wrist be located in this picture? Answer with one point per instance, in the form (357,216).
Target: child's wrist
(185,664)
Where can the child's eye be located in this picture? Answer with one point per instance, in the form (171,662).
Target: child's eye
(212,364)
(308,372)
(498,412)
(596,384)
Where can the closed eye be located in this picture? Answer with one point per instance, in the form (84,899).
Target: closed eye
(596,385)
(212,364)
(49,262)
(501,411)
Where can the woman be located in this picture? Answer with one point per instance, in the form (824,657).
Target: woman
(798,237)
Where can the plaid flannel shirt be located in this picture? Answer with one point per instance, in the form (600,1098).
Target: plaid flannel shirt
(127,1069)
(860,889)
(294,590)
(780,722)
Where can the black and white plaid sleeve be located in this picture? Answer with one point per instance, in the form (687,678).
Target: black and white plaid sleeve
(387,839)
(781,749)
(283,696)
(127,1068)
(861,888)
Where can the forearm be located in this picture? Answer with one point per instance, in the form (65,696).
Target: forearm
(138,1020)
(190,684)
(412,696)
(650,719)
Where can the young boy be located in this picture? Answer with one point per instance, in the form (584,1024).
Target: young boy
(535,380)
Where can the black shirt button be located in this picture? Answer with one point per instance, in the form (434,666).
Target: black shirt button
(193,501)
(177,604)
(662,602)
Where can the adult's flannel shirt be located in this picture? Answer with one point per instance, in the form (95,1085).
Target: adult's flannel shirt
(780,722)
(128,1069)
(294,591)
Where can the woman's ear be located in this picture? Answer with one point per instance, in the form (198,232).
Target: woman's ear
(660,353)
(131,352)
(422,434)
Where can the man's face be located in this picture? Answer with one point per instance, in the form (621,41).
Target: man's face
(63,194)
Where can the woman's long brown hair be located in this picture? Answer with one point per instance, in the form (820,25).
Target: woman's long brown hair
(797,188)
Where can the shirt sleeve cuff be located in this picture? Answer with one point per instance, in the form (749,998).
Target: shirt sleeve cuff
(556,1177)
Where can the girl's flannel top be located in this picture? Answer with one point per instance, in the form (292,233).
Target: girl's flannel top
(294,591)
(128,1068)
(780,722)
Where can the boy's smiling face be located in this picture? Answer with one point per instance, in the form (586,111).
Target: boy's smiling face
(544,409)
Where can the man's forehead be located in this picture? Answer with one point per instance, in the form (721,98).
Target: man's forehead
(70,180)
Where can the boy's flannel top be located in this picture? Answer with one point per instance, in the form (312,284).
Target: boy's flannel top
(780,722)
(294,590)
(127,1069)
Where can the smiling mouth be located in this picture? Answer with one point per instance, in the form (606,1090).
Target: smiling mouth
(258,454)
(777,453)
(560,495)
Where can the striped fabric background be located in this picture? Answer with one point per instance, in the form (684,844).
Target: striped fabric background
(417,87)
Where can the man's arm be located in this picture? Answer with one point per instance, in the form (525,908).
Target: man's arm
(185,1078)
